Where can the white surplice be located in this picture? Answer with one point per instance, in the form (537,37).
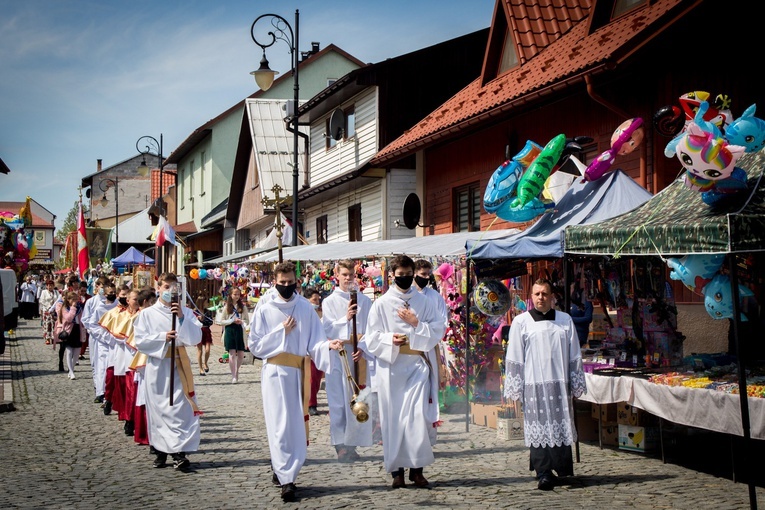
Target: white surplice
(172,429)
(344,428)
(406,384)
(92,312)
(543,369)
(281,386)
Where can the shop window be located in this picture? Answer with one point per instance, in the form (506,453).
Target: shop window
(354,223)
(321,230)
(467,208)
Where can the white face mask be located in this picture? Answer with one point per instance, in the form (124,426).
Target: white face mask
(316,307)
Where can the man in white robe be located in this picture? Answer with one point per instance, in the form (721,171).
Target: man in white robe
(403,330)
(543,369)
(283,331)
(346,432)
(172,429)
(92,312)
(423,271)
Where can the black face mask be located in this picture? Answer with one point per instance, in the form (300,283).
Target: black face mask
(111,297)
(403,282)
(421,281)
(286,291)
(123,301)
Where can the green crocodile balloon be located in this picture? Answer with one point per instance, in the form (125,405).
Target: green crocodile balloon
(533,179)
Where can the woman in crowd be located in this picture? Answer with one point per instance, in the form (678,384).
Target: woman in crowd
(314,296)
(234,318)
(203,348)
(28,296)
(68,326)
(48,297)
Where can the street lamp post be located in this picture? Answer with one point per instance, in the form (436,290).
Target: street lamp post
(152,144)
(277,202)
(104,186)
(156,146)
(264,77)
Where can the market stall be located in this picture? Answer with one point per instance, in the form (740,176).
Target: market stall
(678,222)
(583,203)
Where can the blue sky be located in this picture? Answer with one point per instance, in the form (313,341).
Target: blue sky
(82,80)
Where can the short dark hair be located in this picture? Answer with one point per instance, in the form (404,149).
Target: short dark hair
(145,294)
(167,277)
(347,264)
(309,292)
(284,268)
(422,264)
(544,281)
(401,261)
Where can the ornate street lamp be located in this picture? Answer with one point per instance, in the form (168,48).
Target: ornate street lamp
(264,77)
(156,146)
(104,185)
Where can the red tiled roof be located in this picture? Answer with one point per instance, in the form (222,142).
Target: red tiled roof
(186,228)
(15,207)
(168,180)
(555,49)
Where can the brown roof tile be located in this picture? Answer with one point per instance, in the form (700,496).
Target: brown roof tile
(553,37)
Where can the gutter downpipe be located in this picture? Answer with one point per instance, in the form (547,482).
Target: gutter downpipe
(643,149)
(307,170)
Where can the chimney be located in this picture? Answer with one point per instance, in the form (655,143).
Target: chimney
(98,165)
(306,54)
(314,47)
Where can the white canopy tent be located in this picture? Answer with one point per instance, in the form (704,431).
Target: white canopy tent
(442,245)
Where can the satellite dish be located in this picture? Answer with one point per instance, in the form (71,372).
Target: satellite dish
(336,124)
(412,211)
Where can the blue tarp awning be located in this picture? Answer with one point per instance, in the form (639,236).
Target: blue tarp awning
(584,203)
(131,257)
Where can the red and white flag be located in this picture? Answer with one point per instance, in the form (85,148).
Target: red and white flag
(163,233)
(83,258)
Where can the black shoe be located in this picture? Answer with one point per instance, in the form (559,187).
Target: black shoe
(129,428)
(313,411)
(160,461)
(61,367)
(288,492)
(99,399)
(82,357)
(107,408)
(275,480)
(180,462)
(546,483)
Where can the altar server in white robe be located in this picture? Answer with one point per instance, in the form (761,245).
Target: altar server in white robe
(283,331)
(172,429)
(345,430)
(403,331)
(543,369)
(92,312)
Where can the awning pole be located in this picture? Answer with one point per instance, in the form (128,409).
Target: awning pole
(467,343)
(743,397)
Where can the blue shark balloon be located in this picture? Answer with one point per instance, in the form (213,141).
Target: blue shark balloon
(718,297)
(504,181)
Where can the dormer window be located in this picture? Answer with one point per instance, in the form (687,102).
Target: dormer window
(509,57)
(622,7)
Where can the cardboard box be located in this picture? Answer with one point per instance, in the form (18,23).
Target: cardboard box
(630,415)
(638,439)
(610,434)
(510,428)
(484,414)
(586,427)
(605,412)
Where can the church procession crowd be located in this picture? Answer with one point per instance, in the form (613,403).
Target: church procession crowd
(380,361)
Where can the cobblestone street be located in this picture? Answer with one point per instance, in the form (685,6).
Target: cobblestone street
(58,450)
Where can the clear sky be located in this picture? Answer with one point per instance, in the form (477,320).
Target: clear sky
(82,80)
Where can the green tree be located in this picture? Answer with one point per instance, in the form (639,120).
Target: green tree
(70,222)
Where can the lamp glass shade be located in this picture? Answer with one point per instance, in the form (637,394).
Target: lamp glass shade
(143,169)
(104,201)
(264,76)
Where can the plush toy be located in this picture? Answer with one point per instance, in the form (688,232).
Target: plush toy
(625,139)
